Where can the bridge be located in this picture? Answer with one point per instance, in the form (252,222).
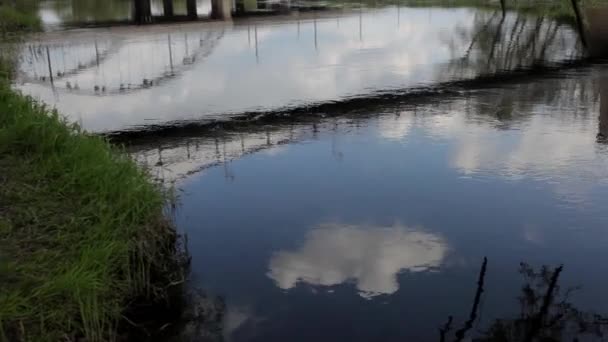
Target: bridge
(142,14)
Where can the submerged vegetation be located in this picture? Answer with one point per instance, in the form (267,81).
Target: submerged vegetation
(83,235)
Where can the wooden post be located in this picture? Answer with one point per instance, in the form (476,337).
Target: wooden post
(96,53)
(602,135)
(579,22)
(168,8)
(48,57)
(191,6)
(170,53)
(504,8)
(257,54)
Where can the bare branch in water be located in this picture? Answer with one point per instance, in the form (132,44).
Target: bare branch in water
(446,328)
(460,334)
(537,322)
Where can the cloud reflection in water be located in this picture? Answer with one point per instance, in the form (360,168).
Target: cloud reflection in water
(370,256)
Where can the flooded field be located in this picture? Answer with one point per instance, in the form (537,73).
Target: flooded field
(126,78)
(367,160)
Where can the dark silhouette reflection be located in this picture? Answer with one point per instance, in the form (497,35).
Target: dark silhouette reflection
(602,135)
(197,316)
(546,313)
(598,31)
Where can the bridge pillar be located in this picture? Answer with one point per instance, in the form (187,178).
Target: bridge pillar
(142,11)
(168,8)
(221,9)
(191,6)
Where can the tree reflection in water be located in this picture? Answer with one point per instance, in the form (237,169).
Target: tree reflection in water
(546,313)
(514,43)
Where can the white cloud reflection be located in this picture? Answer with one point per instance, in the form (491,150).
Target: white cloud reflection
(396,128)
(231,75)
(370,256)
(548,134)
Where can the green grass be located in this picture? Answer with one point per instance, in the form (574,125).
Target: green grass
(82,230)
(14,23)
(83,235)
(13,20)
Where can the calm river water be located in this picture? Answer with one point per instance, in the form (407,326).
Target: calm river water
(373,227)
(370,225)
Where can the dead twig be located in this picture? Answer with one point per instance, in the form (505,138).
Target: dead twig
(537,321)
(460,334)
(445,329)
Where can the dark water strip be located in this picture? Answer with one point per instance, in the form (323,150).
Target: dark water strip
(349,105)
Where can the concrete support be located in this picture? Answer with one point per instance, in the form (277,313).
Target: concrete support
(221,9)
(191,6)
(142,11)
(168,8)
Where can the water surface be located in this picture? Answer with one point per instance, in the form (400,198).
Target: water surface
(357,222)
(372,226)
(129,77)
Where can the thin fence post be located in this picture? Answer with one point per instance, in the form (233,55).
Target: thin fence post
(48,57)
(504,8)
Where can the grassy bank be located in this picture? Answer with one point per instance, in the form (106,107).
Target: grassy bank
(83,238)
(82,231)
(14,20)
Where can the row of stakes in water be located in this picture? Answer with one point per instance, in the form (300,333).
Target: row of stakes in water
(145,84)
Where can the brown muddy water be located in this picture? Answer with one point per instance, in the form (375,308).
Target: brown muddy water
(384,154)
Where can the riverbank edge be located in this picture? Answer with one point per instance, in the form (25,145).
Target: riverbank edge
(88,250)
(85,239)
